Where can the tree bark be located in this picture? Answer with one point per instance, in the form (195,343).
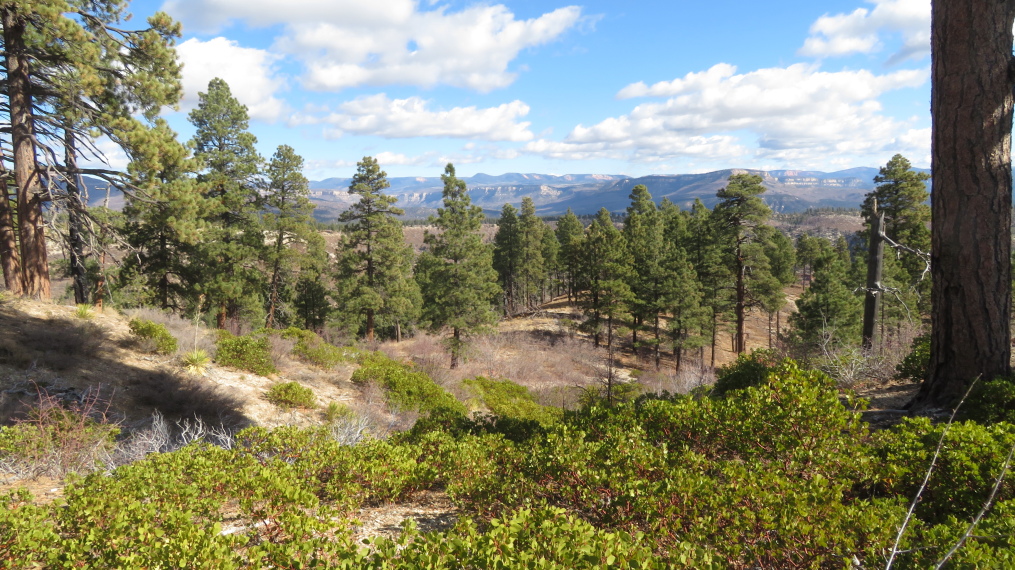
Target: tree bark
(872,301)
(10,257)
(75,224)
(35,265)
(971,108)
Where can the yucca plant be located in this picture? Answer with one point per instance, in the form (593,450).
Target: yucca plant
(196,361)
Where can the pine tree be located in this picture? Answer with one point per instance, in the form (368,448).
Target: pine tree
(289,218)
(550,250)
(681,291)
(604,295)
(374,274)
(455,273)
(310,301)
(531,267)
(739,214)
(643,231)
(165,227)
(569,232)
(704,248)
(231,249)
(828,313)
(506,255)
(71,70)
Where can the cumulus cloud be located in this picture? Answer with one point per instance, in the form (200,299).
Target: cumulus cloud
(795,113)
(248,71)
(381,116)
(860,31)
(387,42)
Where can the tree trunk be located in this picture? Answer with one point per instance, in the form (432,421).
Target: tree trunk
(455,347)
(872,301)
(75,222)
(35,266)
(971,108)
(10,257)
(740,344)
(275,276)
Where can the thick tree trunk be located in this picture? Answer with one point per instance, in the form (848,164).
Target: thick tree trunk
(971,108)
(35,265)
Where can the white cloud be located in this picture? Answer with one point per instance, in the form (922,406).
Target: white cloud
(860,31)
(378,115)
(248,72)
(797,113)
(388,42)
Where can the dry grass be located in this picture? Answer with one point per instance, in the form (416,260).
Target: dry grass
(190,335)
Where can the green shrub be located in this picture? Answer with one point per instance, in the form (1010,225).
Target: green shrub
(291,395)
(407,389)
(504,398)
(991,402)
(747,371)
(914,366)
(156,335)
(336,411)
(250,353)
(55,440)
(312,349)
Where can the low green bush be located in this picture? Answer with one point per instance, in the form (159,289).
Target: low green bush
(154,334)
(314,350)
(291,395)
(990,402)
(407,389)
(747,371)
(506,399)
(249,352)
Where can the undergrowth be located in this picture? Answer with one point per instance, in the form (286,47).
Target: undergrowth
(779,472)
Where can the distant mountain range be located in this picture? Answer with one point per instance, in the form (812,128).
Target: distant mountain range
(788,191)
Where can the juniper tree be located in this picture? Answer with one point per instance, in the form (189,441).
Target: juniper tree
(288,219)
(231,249)
(374,265)
(455,272)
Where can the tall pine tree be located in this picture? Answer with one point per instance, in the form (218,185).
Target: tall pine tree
(231,250)
(455,273)
(570,233)
(506,256)
(531,266)
(287,222)
(374,275)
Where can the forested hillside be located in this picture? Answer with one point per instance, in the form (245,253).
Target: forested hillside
(671,377)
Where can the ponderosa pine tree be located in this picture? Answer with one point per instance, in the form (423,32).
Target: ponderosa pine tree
(828,313)
(455,272)
(165,226)
(550,250)
(507,256)
(231,249)
(531,267)
(311,299)
(643,232)
(604,295)
(681,290)
(288,219)
(739,214)
(72,69)
(570,233)
(374,266)
(704,249)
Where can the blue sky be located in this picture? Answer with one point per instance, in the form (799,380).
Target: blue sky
(603,87)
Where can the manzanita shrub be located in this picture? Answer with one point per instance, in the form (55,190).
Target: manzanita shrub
(778,473)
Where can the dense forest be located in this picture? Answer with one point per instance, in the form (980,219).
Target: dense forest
(770,464)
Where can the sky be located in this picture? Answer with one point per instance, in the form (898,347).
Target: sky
(538,86)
